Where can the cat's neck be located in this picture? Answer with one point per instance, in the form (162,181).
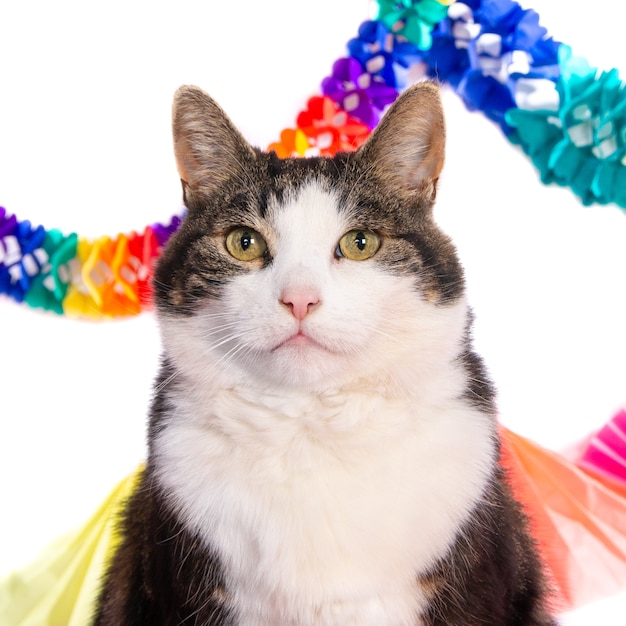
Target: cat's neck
(356,415)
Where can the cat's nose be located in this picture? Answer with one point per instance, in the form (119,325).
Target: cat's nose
(300,302)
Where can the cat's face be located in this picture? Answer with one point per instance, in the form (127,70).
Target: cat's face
(309,272)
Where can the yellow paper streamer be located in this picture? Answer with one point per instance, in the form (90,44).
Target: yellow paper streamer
(60,588)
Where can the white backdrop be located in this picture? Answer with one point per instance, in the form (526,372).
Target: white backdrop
(85,146)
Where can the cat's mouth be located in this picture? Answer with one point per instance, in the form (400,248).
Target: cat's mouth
(299,339)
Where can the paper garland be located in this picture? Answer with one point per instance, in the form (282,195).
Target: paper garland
(577,518)
(605,454)
(567,117)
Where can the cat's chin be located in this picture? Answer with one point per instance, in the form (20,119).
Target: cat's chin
(300,361)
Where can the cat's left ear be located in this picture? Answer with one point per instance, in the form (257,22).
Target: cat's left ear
(407,148)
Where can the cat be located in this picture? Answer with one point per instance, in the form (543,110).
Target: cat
(322,444)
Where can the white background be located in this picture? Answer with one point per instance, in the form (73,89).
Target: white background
(85,146)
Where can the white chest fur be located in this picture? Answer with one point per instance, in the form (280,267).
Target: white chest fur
(325,514)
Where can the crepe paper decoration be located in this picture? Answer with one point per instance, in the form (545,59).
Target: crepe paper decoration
(576,517)
(102,284)
(137,264)
(293,143)
(413,19)
(164,231)
(50,285)
(77,301)
(117,272)
(10,251)
(605,453)
(68,275)
(383,54)
(361,94)
(323,129)
(329,129)
(582,144)
(62,586)
(23,258)
(483,48)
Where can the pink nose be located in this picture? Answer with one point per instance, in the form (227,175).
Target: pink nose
(299,302)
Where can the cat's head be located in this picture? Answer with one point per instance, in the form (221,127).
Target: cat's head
(310,272)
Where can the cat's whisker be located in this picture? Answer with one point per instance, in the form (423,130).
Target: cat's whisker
(171,537)
(218,330)
(163,384)
(230,338)
(185,553)
(232,352)
(209,599)
(387,335)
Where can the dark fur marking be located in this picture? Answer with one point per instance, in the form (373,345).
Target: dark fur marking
(493,562)
(440,264)
(169,578)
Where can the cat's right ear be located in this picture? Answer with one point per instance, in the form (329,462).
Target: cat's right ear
(208,148)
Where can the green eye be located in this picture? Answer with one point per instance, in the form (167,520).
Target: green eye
(245,244)
(359,245)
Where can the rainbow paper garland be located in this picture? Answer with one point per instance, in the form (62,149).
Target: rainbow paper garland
(70,275)
(568,117)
